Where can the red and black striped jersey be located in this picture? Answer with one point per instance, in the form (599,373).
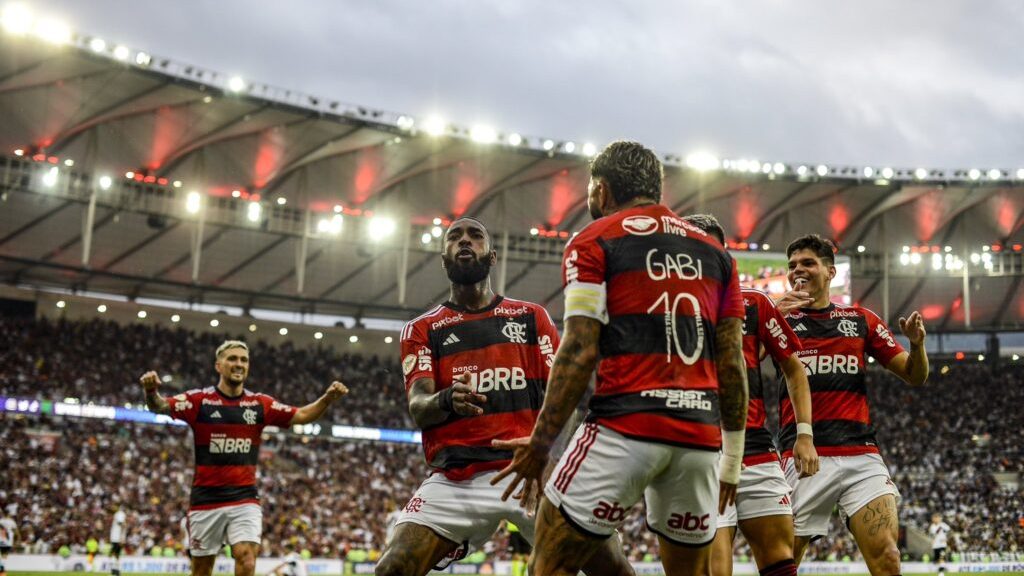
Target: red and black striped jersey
(662,285)
(227,437)
(508,349)
(763,326)
(836,343)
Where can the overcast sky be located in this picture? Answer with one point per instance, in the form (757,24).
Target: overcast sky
(934,83)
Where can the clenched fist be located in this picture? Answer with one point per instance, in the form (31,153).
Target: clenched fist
(150,381)
(336,390)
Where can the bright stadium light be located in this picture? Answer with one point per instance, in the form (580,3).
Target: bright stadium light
(253,328)
(142,315)
(101,308)
(19,152)
(69,162)
(436,231)
(331,225)
(975,258)
(483,134)
(61,304)
(318,335)
(425,239)
(353,338)
(50,178)
(1020,173)
(974,173)
(822,170)
(514,139)
(98,44)
(904,259)
(861,249)
(888,172)
(254,211)
(995,174)
(869,172)
(381,227)
(801,170)
(236,84)
(53,31)
(702,161)
(434,125)
(338,209)
(936,262)
(549,145)
(589,149)
(143,59)
(176,184)
(214,322)
(778,168)
(389,340)
(17,19)
(106,182)
(283,331)
(193,202)
(122,53)
(405,122)
(281,200)
(569,147)
(920,173)
(534,231)
(174,318)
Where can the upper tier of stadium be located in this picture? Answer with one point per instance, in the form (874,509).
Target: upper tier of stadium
(129,173)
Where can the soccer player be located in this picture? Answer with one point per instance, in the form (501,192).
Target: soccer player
(118,532)
(837,341)
(519,548)
(475,370)
(939,531)
(653,302)
(227,422)
(8,537)
(762,508)
(293,564)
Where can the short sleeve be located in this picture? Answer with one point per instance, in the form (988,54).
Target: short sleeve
(774,332)
(185,406)
(583,276)
(547,339)
(417,358)
(277,413)
(731,304)
(879,341)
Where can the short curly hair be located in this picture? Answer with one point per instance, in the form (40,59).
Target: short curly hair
(709,224)
(630,170)
(822,247)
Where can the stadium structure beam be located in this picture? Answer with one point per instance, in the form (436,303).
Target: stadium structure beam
(35,222)
(176,157)
(484,198)
(254,257)
(777,211)
(903,195)
(413,169)
(550,297)
(1013,230)
(183,258)
(309,156)
(948,316)
(136,247)
(415,269)
(45,83)
(25,69)
(301,249)
(197,246)
(870,289)
(578,209)
(966,203)
(67,134)
(1007,298)
(347,278)
(107,219)
(698,193)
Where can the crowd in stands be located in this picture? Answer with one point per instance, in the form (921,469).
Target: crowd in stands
(944,443)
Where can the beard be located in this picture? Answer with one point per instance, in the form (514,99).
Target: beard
(595,211)
(468,273)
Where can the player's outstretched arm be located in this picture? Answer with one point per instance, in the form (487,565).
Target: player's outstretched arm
(154,401)
(733,398)
(574,363)
(912,367)
(805,456)
(312,412)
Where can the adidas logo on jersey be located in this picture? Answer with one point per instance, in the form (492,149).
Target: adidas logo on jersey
(800,328)
(216,414)
(451,339)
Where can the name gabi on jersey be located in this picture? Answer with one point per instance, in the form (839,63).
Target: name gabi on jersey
(662,266)
(221,444)
(829,363)
(675,398)
(495,379)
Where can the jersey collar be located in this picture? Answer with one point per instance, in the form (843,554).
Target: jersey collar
(494,304)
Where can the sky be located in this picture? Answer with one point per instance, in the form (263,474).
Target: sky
(915,83)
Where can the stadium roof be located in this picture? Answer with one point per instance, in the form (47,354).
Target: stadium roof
(329,178)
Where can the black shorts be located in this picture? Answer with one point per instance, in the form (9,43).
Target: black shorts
(517,544)
(115,548)
(938,554)
(5,550)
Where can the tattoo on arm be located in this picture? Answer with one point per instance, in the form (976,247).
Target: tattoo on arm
(574,363)
(732,373)
(157,403)
(423,404)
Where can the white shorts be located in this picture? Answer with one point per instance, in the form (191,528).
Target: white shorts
(466,512)
(603,474)
(210,530)
(763,491)
(852,482)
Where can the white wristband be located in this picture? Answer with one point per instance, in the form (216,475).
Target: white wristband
(804,428)
(732,456)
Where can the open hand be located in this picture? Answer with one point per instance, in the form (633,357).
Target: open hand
(528,464)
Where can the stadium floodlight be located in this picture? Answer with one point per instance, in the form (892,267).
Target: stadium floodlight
(936,262)
(142,315)
(283,331)
(801,170)
(106,182)
(214,323)
(174,318)
(129,174)
(434,125)
(281,201)
(515,139)
(331,225)
(381,227)
(995,174)
(906,249)
(389,340)
(778,168)
(904,259)
(176,183)
(318,335)
(122,53)
(53,31)
(338,209)
(702,161)
(61,304)
(254,211)
(861,249)
(98,44)
(193,202)
(405,122)
(915,258)
(766,247)
(17,19)
(436,231)
(1020,173)
(589,149)
(143,58)
(50,178)
(766,168)
(69,162)
(236,84)
(207,99)
(483,134)
(888,172)
(981,357)
(869,172)
(974,173)
(822,170)
(19,152)
(353,338)
(425,239)
(236,193)
(534,231)
(569,147)
(975,258)
(437,221)
(252,328)
(101,308)
(920,173)
(548,145)
(1015,357)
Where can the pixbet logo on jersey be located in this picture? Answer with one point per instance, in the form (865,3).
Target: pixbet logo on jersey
(497,379)
(221,444)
